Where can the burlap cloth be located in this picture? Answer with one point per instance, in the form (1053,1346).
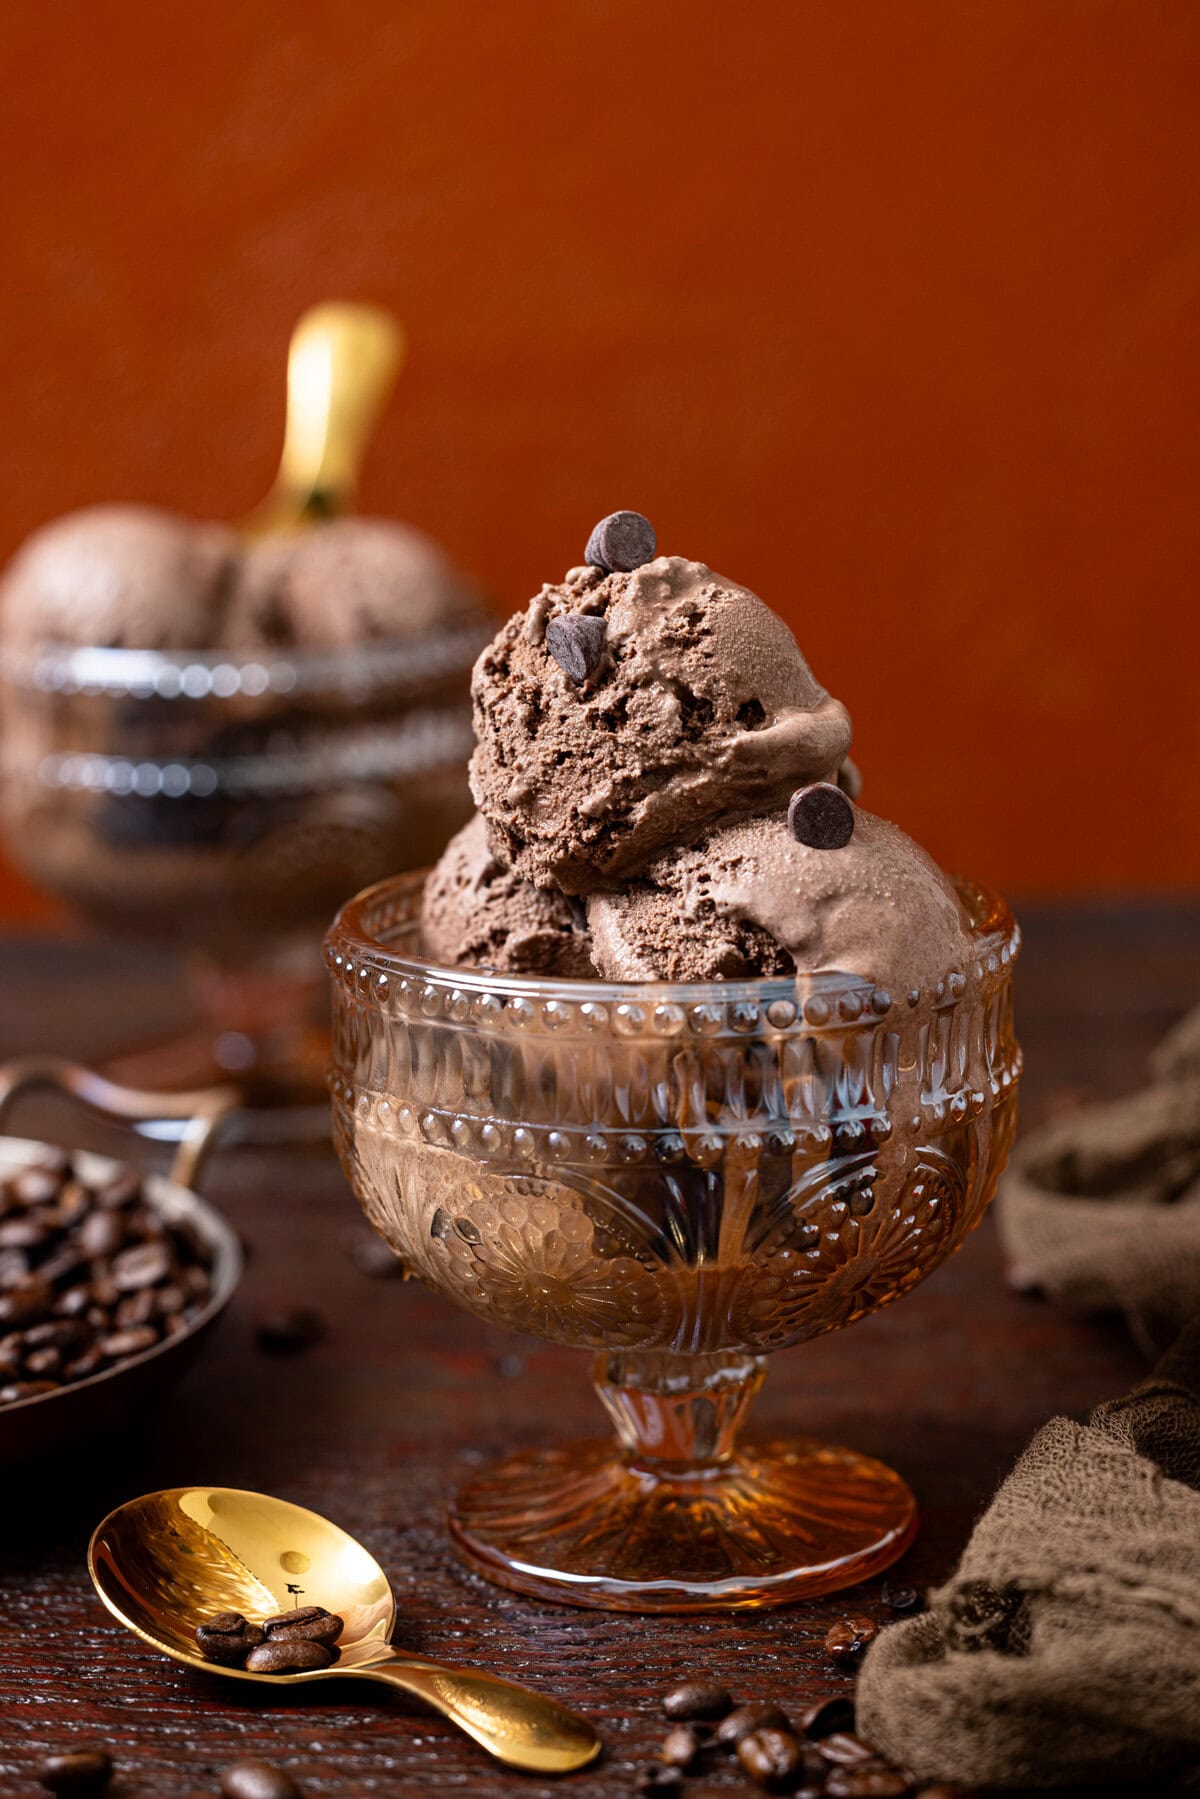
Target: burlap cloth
(1065,1648)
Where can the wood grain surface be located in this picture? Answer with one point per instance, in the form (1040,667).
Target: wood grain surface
(373,1427)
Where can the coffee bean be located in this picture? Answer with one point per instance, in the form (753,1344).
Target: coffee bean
(308,1623)
(257,1780)
(35,1186)
(100,1234)
(758,1714)
(84,1366)
(868,1781)
(846,1640)
(944,1790)
(119,1344)
(42,1363)
(64,1267)
(289,1330)
(24,1233)
(137,1308)
(288,1657)
(821,816)
(827,1717)
(576,642)
(680,1747)
(623,540)
(145,1265)
(697,1699)
(74,1202)
(122,1191)
(27,1389)
(844,1747)
(66,1334)
(12,1355)
(227,1638)
(14,1267)
(78,1771)
(22,1306)
(899,1598)
(74,1302)
(658,1782)
(773,1758)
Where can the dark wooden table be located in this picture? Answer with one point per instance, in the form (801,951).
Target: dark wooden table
(374,1425)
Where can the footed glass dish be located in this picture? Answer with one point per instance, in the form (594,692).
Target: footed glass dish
(683,1179)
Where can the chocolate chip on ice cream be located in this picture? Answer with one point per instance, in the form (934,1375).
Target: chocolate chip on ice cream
(821,816)
(623,540)
(577,644)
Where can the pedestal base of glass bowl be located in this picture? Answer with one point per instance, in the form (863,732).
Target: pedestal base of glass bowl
(677,1517)
(263,1030)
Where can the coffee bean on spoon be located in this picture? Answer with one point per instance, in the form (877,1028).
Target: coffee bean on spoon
(308,1623)
(76,1771)
(621,542)
(257,1780)
(821,817)
(576,642)
(227,1639)
(294,1655)
(699,1698)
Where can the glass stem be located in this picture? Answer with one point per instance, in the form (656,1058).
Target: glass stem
(677,1415)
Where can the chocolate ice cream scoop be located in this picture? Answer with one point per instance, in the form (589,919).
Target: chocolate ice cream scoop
(751,899)
(478,913)
(598,748)
(121,577)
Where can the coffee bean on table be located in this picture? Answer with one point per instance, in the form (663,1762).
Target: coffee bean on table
(296,1655)
(257,1780)
(757,1714)
(697,1699)
(846,1641)
(307,1623)
(900,1598)
(869,1780)
(680,1747)
(80,1771)
(622,541)
(845,1748)
(576,642)
(227,1639)
(773,1758)
(827,1717)
(821,817)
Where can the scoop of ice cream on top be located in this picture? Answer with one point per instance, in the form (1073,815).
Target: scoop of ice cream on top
(478,913)
(352,581)
(753,898)
(631,708)
(121,577)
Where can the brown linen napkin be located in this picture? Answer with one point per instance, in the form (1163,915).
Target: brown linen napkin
(1065,1649)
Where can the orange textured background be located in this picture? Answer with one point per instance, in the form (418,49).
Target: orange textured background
(888,309)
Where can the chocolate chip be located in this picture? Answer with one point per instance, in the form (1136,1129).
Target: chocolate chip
(821,816)
(846,1640)
(227,1638)
(292,1656)
(827,1717)
(900,1598)
(290,1330)
(76,1771)
(576,641)
(697,1699)
(773,1758)
(680,1747)
(622,541)
(308,1623)
(257,1780)
(758,1714)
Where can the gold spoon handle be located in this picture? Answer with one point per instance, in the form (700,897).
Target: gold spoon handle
(520,1728)
(342,363)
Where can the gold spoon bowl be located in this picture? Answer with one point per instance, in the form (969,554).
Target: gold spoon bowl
(165,1562)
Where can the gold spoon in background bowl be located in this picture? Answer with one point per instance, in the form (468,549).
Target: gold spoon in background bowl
(165,1562)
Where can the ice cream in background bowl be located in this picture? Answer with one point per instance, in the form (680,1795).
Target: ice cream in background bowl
(210,735)
(681,1055)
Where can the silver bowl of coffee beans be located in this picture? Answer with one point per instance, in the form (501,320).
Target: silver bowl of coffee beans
(110,1278)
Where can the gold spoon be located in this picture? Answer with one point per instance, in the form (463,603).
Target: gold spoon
(342,364)
(164,1563)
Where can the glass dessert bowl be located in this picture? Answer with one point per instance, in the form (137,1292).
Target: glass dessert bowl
(682,1178)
